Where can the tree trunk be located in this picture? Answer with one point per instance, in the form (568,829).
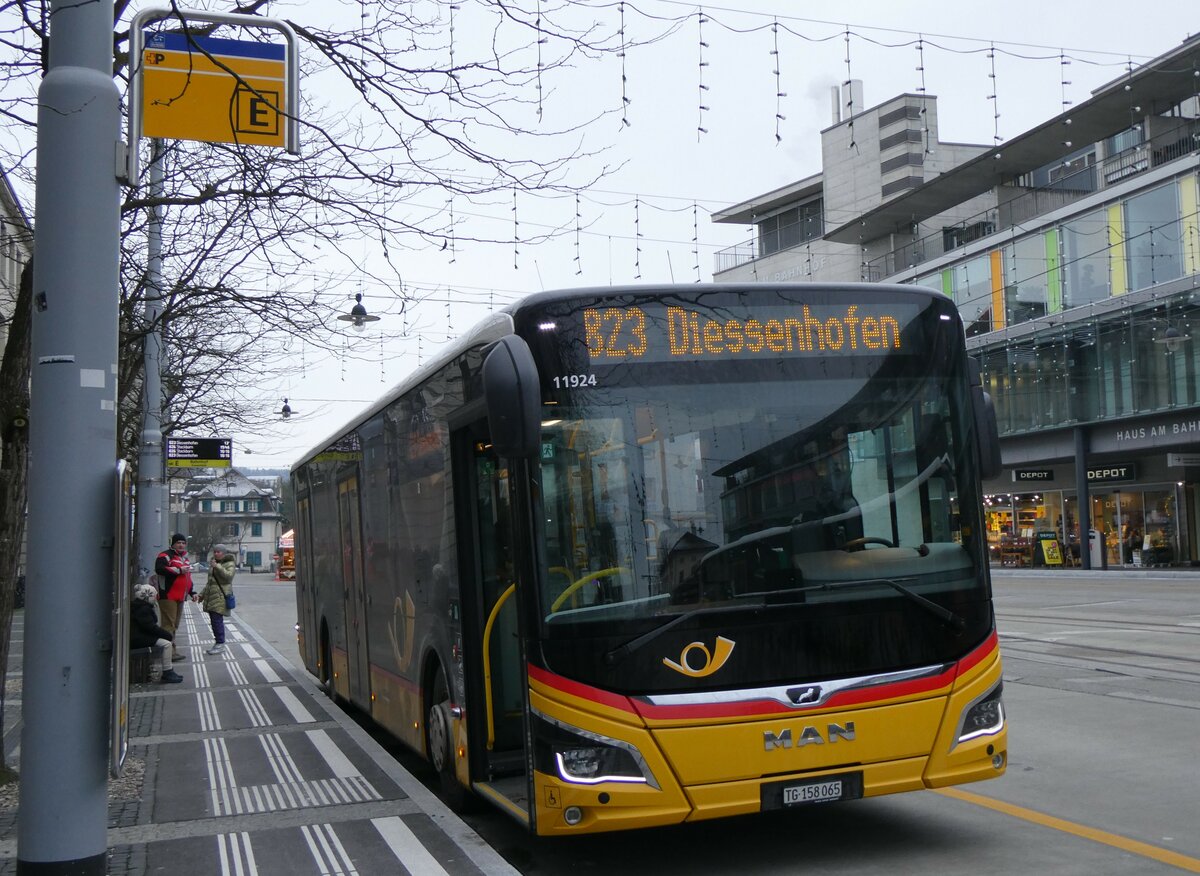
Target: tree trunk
(14,456)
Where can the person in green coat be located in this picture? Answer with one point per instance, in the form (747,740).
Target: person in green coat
(212,597)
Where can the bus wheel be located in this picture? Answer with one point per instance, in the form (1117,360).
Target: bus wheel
(439,742)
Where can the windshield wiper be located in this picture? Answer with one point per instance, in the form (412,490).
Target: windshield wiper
(944,614)
(622,651)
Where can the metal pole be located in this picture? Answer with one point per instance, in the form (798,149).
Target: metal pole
(151,486)
(1083,499)
(73,432)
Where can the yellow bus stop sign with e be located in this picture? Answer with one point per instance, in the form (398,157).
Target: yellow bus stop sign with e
(214,90)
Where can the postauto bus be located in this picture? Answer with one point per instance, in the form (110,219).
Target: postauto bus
(636,556)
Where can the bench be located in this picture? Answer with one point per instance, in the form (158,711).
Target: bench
(141,660)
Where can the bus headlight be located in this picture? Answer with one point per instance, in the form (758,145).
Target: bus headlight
(581,757)
(983,717)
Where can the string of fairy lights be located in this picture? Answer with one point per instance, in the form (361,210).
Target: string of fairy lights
(712,20)
(779,35)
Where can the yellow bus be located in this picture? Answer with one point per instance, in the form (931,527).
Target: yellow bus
(638,556)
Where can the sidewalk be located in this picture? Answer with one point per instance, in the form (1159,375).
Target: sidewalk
(1113,574)
(246,768)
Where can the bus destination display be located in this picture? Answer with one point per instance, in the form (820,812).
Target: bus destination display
(637,334)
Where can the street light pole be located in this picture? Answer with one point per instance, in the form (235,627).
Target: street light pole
(61,823)
(152,499)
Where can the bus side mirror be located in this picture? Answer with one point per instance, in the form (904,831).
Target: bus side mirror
(513,395)
(986,431)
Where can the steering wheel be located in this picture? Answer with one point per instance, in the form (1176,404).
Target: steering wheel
(591,576)
(857,544)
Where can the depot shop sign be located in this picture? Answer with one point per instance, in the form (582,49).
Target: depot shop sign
(1113,472)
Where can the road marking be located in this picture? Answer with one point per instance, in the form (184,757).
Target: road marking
(327,850)
(1093,604)
(292,703)
(1156,853)
(267,672)
(236,854)
(406,847)
(339,764)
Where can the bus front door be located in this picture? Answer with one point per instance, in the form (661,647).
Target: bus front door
(496,677)
(349,519)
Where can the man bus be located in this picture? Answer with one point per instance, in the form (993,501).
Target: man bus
(637,556)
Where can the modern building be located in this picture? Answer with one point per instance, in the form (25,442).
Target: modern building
(1073,253)
(245,514)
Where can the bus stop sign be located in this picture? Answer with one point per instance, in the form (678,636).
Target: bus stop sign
(214,90)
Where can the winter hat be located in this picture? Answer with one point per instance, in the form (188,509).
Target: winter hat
(179,536)
(221,548)
(145,592)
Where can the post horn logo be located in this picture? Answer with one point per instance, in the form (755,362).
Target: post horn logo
(712,660)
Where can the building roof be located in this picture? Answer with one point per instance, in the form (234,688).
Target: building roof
(1152,88)
(231,484)
(749,212)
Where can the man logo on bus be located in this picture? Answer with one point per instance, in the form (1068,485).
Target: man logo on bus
(712,661)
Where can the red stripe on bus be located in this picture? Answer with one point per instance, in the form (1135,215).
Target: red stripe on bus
(751,708)
(985,650)
(578,689)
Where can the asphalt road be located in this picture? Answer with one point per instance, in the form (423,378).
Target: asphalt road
(1102,688)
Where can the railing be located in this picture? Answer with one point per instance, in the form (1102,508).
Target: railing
(738,254)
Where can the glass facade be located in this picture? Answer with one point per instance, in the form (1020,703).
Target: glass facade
(1101,362)
(1027,283)
(1120,365)
(1091,366)
(1086,259)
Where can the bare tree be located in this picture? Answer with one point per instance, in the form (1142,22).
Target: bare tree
(412,107)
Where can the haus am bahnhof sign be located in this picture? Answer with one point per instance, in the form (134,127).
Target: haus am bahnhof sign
(215,90)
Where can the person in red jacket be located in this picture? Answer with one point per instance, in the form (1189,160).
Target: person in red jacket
(175,586)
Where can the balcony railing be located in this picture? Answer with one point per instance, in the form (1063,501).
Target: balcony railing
(738,254)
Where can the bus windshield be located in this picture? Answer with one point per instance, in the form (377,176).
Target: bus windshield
(760,491)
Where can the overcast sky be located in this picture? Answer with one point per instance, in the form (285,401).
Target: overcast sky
(649,220)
